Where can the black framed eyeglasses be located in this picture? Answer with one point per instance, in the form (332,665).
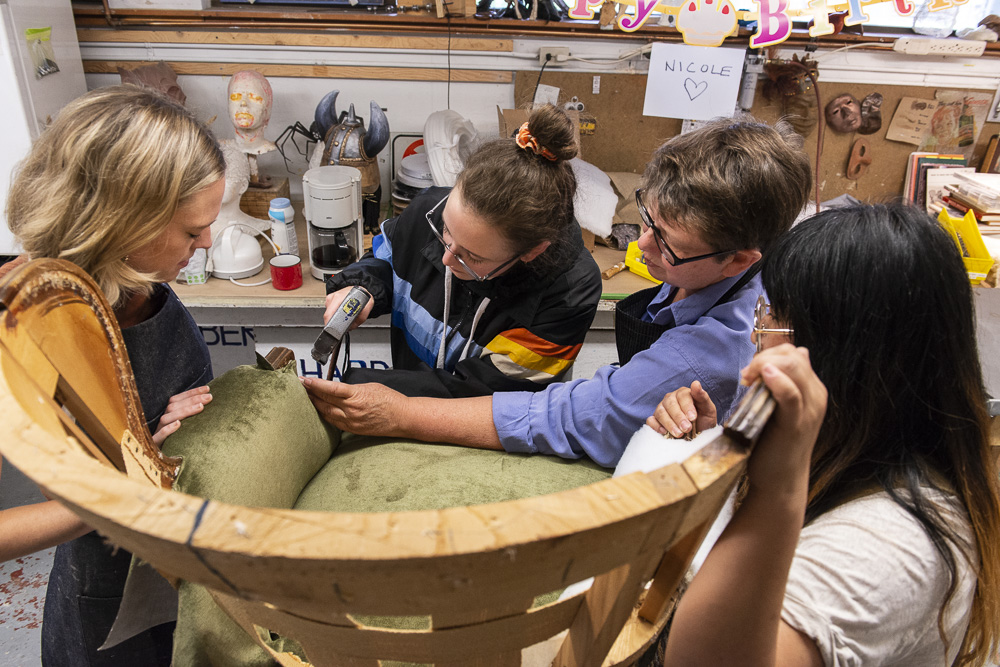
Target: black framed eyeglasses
(761,310)
(669,256)
(468,269)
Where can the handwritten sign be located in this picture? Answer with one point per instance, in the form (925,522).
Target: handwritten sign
(912,120)
(696,82)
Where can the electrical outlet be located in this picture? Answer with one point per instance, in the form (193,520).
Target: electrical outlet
(554,55)
(927,46)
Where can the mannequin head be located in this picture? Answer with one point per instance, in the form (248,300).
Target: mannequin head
(159,76)
(250,109)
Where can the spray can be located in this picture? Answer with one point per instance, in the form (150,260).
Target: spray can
(282,217)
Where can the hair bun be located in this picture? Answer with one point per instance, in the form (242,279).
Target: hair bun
(553,130)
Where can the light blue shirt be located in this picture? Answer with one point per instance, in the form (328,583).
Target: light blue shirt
(597,417)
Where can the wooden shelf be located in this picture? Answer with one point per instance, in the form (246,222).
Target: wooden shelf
(363,27)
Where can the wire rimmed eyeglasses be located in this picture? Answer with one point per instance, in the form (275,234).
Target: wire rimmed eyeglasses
(761,310)
(669,256)
(448,246)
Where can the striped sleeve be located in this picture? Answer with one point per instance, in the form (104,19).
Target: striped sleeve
(518,353)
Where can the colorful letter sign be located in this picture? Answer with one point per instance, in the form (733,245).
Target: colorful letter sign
(709,22)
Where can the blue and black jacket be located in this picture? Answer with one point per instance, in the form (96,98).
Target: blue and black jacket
(519,331)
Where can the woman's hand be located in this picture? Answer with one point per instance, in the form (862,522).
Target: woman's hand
(333,301)
(741,586)
(681,408)
(179,407)
(784,452)
(364,409)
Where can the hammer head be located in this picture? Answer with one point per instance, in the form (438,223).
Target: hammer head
(323,347)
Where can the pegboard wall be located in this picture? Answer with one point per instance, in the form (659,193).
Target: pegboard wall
(623,139)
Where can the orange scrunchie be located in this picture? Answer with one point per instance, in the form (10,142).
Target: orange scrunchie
(528,142)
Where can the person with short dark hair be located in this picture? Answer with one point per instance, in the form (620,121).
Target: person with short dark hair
(712,202)
(869,535)
(489,284)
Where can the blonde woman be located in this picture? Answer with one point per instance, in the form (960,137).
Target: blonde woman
(125,183)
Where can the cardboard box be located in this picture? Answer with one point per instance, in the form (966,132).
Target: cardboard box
(510,120)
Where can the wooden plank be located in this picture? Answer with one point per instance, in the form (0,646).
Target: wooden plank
(93,423)
(312,71)
(636,638)
(61,309)
(319,40)
(604,612)
(31,358)
(489,609)
(429,562)
(459,646)
(35,402)
(669,573)
(83,439)
(512,659)
(38,400)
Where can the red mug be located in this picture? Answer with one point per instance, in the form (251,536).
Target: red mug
(286,272)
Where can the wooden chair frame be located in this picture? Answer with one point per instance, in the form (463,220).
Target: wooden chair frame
(309,575)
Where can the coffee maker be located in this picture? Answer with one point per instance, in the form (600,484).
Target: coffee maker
(332,197)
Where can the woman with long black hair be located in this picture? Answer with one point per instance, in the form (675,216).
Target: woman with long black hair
(870,535)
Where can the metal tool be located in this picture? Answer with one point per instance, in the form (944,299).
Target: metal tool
(337,326)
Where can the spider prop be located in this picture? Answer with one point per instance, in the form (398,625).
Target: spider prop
(291,133)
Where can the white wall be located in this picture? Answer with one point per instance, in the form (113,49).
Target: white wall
(16,136)
(29,102)
(407,103)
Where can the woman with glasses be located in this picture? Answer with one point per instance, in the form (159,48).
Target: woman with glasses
(713,201)
(489,285)
(870,535)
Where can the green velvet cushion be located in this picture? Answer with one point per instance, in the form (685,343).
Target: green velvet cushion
(382,475)
(257,443)
(261,443)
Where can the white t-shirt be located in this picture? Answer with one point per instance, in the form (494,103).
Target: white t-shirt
(866,585)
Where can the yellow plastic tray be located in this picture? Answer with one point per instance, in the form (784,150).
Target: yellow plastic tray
(633,260)
(965,232)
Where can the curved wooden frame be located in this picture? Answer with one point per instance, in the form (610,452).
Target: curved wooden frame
(474,570)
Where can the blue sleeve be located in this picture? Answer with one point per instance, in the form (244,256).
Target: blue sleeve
(596,417)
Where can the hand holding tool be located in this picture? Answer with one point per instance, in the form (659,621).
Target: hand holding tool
(337,326)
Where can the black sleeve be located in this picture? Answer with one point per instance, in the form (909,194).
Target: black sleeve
(371,273)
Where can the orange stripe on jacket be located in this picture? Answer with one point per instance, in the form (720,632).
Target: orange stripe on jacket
(542,357)
(540,346)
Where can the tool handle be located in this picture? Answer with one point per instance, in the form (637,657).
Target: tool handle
(347,312)
(614,270)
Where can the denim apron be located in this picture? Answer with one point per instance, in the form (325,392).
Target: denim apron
(168,355)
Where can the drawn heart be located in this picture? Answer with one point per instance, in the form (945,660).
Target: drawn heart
(694,88)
